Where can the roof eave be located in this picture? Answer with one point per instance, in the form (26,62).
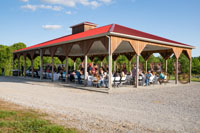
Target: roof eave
(64,42)
(149,40)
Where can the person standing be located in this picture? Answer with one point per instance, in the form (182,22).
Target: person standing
(134,73)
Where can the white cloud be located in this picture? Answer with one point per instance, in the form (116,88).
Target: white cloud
(70,3)
(35,7)
(73,3)
(25,0)
(68,12)
(31,7)
(51,27)
(106,1)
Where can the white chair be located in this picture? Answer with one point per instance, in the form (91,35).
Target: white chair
(56,76)
(123,80)
(151,79)
(89,80)
(76,78)
(116,81)
(82,78)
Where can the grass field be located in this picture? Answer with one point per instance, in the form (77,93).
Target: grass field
(14,119)
(194,79)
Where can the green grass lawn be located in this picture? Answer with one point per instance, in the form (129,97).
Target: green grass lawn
(14,120)
(172,77)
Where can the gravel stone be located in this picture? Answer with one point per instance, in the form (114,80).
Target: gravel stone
(159,108)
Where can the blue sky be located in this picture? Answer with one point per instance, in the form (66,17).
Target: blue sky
(36,21)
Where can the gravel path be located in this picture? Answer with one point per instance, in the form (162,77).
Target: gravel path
(162,108)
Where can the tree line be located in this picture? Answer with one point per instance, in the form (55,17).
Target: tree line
(6,59)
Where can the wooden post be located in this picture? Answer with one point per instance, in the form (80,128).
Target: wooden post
(166,65)
(41,64)
(146,65)
(176,75)
(24,65)
(52,70)
(19,66)
(85,68)
(110,64)
(74,65)
(32,67)
(114,66)
(190,69)
(130,66)
(137,70)
(66,69)
(110,71)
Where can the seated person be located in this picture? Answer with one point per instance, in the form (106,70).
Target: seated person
(90,72)
(95,79)
(142,74)
(148,75)
(106,79)
(72,76)
(161,77)
(101,81)
(152,78)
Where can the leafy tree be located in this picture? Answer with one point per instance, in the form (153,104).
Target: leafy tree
(196,65)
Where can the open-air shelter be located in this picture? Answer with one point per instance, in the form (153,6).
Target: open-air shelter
(89,41)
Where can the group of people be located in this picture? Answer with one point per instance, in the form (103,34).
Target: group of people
(100,73)
(151,77)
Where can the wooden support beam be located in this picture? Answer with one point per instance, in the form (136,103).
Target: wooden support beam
(41,64)
(176,75)
(177,51)
(74,65)
(137,70)
(166,65)
(25,66)
(66,69)
(110,71)
(166,55)
(32,67)
(114,66)
(110,63)
(146,61)
(52,71)
(129,66)
(18,65)
(85,68)
(138,46)
(190,69)
(146,55)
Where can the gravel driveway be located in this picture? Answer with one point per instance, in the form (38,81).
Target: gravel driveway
(156,109)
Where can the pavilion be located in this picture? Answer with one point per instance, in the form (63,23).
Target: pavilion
(89,41)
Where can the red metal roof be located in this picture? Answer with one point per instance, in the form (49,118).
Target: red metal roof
(104,29)
(91,32)
(128,31)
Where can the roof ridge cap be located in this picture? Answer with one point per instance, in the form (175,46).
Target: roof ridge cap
(112,28)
